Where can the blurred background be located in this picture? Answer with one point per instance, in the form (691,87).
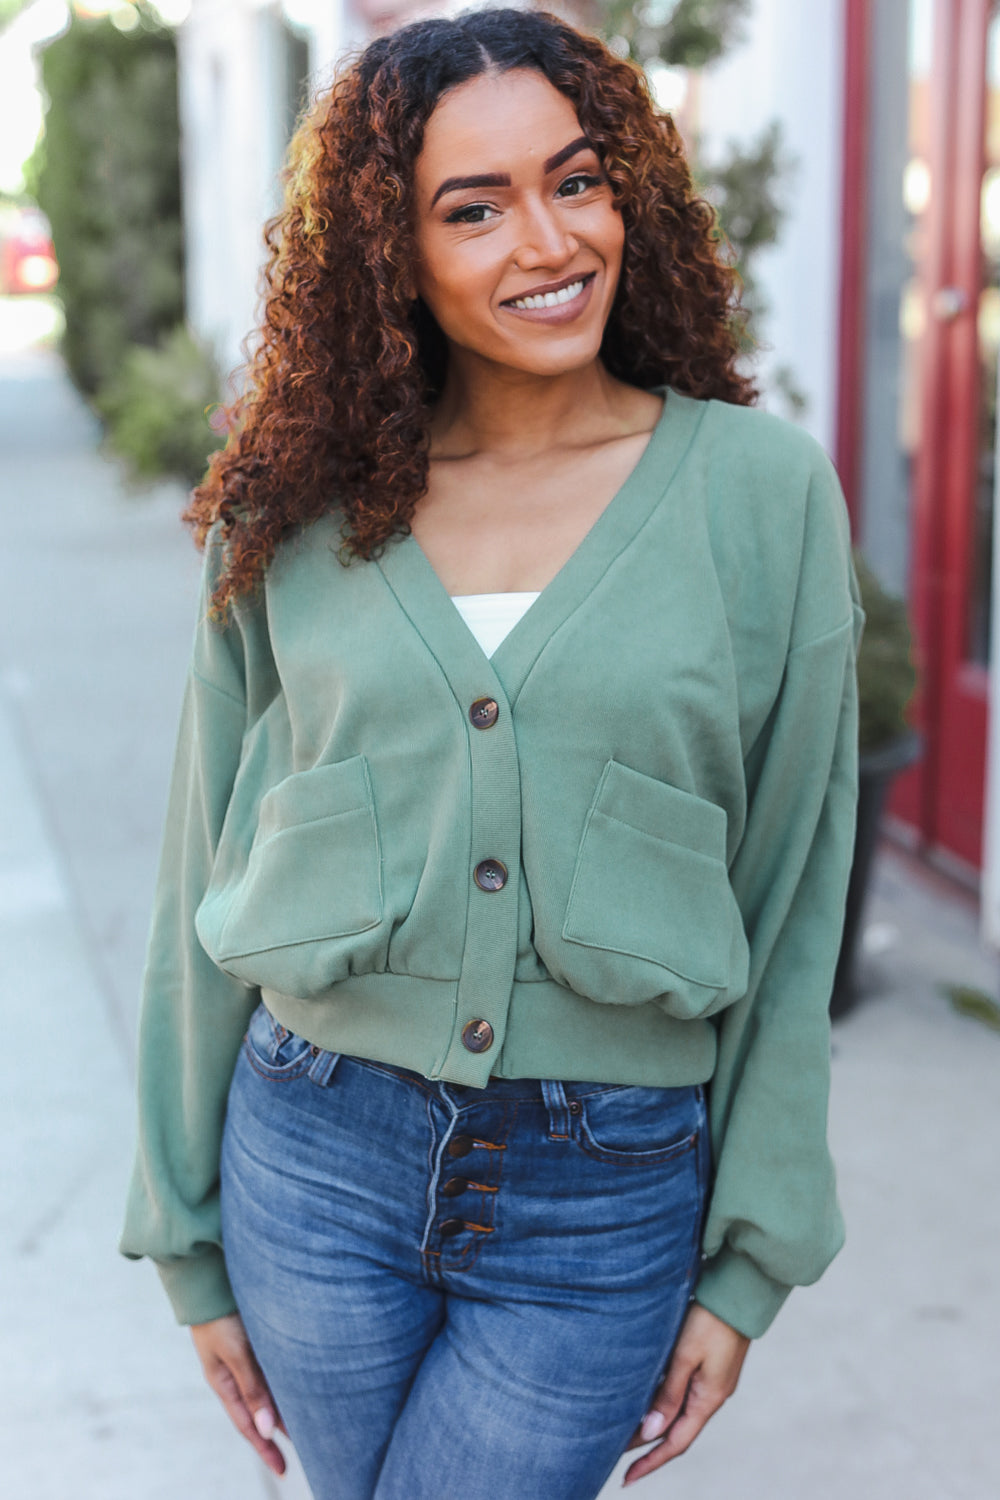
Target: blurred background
(852,151)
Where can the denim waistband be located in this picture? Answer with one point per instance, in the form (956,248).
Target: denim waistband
(521,1090)
(557,1096)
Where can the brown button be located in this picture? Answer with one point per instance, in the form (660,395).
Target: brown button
(477,1036)
(491,875)
(460,1145)
(454,1186)
(451,1226)
(484,713)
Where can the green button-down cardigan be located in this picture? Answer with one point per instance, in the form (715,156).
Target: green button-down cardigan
(670,783)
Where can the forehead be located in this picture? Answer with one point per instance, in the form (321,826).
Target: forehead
(495,122)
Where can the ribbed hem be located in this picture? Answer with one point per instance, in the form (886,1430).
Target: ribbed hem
(547,1032)
(740,1293)
(198,1287)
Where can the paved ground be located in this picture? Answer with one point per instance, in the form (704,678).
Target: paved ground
(879,1384)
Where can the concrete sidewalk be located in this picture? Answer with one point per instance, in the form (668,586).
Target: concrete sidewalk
(879,1384)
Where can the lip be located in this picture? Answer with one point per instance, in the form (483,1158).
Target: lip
(565,312)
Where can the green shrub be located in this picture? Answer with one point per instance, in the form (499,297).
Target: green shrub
(156,407)
(886,674)
(108,174)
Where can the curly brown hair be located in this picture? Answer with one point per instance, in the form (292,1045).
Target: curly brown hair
(339,390)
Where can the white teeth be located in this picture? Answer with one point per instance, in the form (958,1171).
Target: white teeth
(551,299)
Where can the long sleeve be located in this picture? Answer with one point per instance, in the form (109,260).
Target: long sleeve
(193,1015)
(773,1220)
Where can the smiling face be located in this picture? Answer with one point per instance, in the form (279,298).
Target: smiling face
(519,243)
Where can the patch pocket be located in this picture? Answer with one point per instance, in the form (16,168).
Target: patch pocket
(273,1050)
(640,1125)
(651,892)
(313,878)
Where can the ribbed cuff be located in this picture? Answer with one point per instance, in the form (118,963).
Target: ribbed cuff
(198,1287)
(740,1293)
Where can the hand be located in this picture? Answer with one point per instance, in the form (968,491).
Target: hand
(232,1371)
(701,1375)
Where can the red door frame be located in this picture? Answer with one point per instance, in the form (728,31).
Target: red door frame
(941,798)
(962,721)
(915,794)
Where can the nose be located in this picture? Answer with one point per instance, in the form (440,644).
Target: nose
(544,239)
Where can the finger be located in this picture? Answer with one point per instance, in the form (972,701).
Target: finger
(253,1422)
(668,1402)
(679,1437)
(257,1398)
(669,1399)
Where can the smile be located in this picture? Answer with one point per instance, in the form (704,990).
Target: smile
(551,299)
(556,304)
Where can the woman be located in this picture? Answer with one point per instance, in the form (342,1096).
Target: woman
(464,925)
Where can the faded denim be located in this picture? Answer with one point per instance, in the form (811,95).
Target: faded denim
(510,1360)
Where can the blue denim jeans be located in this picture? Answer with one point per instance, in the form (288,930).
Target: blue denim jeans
(457,1293)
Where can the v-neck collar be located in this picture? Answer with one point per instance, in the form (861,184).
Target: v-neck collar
(408,571)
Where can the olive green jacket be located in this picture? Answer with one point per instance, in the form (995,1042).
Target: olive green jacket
(634,870)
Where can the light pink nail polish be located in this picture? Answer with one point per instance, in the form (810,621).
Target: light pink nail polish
(654,1424)
(263,1420)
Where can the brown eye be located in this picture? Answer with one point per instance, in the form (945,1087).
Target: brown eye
(579,183)
(470,213)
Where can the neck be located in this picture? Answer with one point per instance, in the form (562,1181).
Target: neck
(504,412)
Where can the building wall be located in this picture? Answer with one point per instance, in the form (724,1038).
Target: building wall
(790,69)
(236,113)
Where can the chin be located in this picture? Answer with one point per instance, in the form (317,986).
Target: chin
(551,362)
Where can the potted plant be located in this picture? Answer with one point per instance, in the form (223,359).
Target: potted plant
(887,745)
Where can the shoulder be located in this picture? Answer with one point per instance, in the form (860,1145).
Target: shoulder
(765,472)
(768,450)
(776,516)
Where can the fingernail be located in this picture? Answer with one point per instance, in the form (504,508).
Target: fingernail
(654,1423)
(263,1420)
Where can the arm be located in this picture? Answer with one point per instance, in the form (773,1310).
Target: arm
(773,1221)
(192,1023)
(193,1015)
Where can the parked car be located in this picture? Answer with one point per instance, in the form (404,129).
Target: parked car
(27,258)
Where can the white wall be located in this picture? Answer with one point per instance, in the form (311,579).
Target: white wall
(21,103)
(790,69)
(232,143)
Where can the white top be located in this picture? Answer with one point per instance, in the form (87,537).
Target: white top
(490,617)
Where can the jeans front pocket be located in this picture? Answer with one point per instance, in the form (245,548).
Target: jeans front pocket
(640,1125)
(278,1054)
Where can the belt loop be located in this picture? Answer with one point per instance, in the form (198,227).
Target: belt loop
(320,1070)
(555,1100)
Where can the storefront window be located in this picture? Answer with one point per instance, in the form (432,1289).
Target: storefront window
(895,313)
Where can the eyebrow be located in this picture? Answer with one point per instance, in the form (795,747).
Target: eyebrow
(502,179)
(484,179)
(573,149)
